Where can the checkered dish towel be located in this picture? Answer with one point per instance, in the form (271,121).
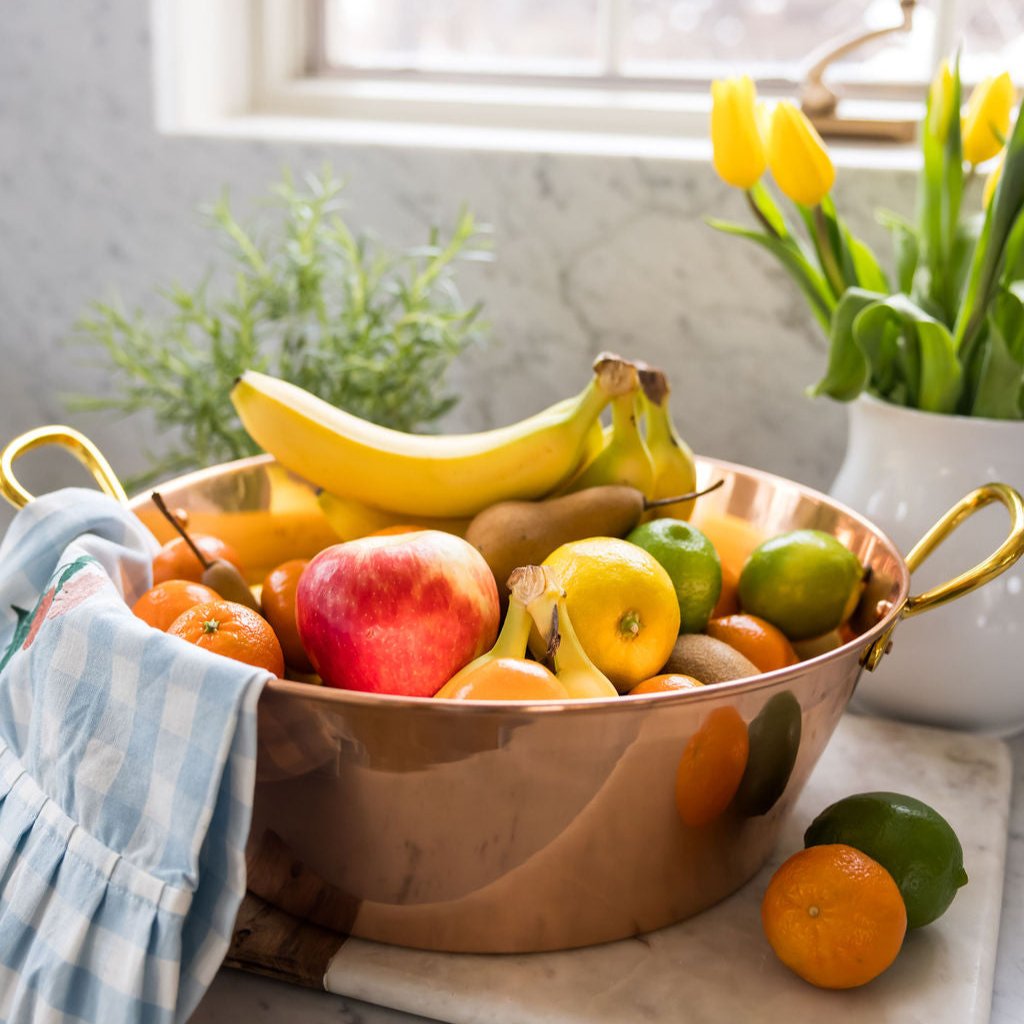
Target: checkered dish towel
(127,760)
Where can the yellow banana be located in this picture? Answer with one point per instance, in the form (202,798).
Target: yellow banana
(424,475)
(624,459)
(350,518)
(674,469)
(526,585)
(573,668)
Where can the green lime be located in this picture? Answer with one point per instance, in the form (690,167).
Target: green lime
(911,840)
(691,561)
(805,582)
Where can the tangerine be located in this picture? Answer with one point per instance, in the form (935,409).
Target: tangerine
(231,630)
(510,679)
(277,601)
(670,682)
(729,597)
(711,767)
(757,640)
(176,560)
(162,604)
(834,916)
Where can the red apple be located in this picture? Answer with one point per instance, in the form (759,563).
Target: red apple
(396,614)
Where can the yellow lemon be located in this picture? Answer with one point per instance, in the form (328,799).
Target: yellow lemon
(622,605)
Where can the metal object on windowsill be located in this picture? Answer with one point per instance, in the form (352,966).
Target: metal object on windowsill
(820,103)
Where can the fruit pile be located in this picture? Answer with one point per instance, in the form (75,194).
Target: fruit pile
(874,865)
(550,559)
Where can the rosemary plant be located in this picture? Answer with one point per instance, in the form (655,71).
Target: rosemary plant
(371,331)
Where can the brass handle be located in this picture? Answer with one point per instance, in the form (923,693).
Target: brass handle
(63,437)
(998,562)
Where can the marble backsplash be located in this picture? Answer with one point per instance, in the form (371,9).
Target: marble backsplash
(591,253)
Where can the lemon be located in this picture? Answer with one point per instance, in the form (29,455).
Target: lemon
(805,582)
(911,840)
(691,561)
(622,606)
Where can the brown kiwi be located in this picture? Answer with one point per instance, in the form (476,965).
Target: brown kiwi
(708,659)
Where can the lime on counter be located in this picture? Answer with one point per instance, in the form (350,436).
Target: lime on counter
(911,840)
(805,582)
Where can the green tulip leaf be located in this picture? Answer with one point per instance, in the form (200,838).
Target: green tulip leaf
(870,274)
(930,368)
(1000,381)
(906,247)
(849,370)
(810,280)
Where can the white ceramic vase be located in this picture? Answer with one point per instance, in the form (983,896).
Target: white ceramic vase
(961,665)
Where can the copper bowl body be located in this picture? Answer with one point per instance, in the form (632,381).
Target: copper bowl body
(515,827)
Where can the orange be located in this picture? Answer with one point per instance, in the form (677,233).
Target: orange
(176,561)
(711,767)
(277,600)
(510,679)
(834,916)
(672,682)
(729,597)
(758,641)
(231,630)
(162,604)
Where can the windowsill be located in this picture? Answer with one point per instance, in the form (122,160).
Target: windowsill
(421,135)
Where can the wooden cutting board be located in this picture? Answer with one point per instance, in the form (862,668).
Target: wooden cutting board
(716,966)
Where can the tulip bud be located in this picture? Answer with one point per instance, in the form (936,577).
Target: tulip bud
(992,181)
(798,159)
(940,102)
(987,121)
(737,146)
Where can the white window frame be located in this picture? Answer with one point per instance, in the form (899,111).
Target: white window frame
(243,67)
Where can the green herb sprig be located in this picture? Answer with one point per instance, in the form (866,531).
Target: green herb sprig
(371,331)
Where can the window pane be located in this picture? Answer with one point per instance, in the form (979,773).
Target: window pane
(538,36)
(993,37)
(772,38)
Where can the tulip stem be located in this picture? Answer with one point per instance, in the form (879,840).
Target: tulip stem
(825,252)
(759,214)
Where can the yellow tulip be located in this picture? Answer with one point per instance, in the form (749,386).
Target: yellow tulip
(799,161)
(992,181)
(987,121)
(737,147)
(940,102)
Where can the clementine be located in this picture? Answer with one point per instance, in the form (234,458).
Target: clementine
(162,604)
(834,916)
(757,640)
(176,560)
(277,600)
(671,682)
(509,679)
(231,630)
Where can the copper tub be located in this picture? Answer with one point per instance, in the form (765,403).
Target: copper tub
(518,827)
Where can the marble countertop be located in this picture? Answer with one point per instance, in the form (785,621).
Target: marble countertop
(236,997)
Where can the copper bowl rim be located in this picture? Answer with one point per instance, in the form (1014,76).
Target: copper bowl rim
(710,692)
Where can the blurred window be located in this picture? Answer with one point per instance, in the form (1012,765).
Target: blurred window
(673,44)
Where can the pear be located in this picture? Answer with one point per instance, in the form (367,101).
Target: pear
(515,533)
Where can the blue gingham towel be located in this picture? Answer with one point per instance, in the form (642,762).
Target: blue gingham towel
(127,761)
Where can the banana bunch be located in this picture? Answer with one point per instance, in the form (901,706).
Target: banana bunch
(418,475)
(657,461)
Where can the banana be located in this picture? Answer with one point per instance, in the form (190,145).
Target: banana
(573,669)
(624,459)
(424,475)
(674,469)
(526,585)
(350,518)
